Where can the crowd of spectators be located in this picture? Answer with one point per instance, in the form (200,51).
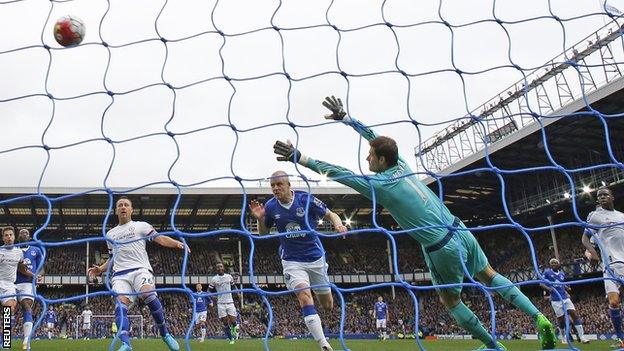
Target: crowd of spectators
(357,254)
(433,319)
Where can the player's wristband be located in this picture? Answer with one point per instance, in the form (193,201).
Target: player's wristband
(303,160)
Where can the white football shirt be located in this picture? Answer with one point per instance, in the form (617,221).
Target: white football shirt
(611,238)
(9,258)
(223,283)
(129,253)
(86,316)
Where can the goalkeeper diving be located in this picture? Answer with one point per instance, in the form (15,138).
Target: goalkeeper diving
(446,243)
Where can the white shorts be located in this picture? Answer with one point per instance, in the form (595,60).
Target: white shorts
(132,282)
(308,273)
(612,286)
(50,325)
(201,317)
(25,289)
(86,326)
(381,323)
(226,309)
(561,306)
(5,290)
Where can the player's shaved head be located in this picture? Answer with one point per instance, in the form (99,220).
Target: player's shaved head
(605,198)
(280,186)
(124,198)
(24,234)
(220,268)
(281,175)
(123,209)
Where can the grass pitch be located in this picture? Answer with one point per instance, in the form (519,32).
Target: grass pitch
(294,345)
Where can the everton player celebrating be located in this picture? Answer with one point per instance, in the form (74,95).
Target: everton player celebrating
(303,256)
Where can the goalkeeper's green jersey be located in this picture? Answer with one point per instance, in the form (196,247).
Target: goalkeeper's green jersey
(412,204)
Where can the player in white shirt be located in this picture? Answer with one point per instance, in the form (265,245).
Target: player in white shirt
(222,283)
(610,239)
(131,271)
(86,322)
(11,261)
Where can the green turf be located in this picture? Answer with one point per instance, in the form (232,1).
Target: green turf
(294,345)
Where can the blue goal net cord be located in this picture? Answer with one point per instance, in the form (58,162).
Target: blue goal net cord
(476,119)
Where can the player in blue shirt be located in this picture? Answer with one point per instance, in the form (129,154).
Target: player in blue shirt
(450,250)
(201,309)
(381,315)
(560,300)
(302,254)
(23,283)
(51,320)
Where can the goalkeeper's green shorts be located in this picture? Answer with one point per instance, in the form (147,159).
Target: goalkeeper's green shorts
(445,257)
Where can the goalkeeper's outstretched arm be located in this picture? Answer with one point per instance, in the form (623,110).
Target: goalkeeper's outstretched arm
(338,114)
(287,152)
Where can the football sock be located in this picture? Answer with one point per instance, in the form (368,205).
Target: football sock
(514,296)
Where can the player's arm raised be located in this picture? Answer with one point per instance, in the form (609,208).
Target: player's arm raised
(287,152)
(257,210)
(335,221)
(338,114)
(171,243)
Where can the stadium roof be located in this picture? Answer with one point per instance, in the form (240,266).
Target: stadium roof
(575,142)
(199,209)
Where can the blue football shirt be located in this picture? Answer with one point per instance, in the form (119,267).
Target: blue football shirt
(297,247)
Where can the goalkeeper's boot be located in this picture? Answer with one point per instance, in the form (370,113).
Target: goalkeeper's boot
(546,332)
(125,347)
(172,344)
(327,348)
(499,346)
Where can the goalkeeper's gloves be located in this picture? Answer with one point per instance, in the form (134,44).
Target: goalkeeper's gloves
(335,106)
(286,151)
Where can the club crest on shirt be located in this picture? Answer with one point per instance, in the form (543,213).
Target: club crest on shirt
(300,212)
